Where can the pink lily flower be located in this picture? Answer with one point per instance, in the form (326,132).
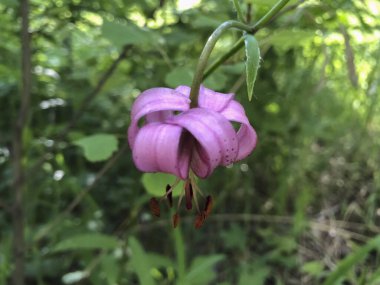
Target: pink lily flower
(175,138)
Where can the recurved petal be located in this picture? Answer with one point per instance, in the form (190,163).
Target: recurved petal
(159,148)
(246,135)
(155,100)
(184,90)
(160,116)
(213,100)
(216,140)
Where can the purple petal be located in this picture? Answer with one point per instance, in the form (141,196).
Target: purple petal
(210,99)
(160,148)
(216,138)
(159,117)
(246,135)
(184,90)
(153,101)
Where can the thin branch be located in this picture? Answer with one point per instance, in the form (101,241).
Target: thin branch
(18,183)
(350,59)
(74,203)
(83,106)
(342,228)
(91,96)
(288,9)
(239,12)
(267,19)
(249,13)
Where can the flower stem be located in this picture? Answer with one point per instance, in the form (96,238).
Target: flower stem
(197,80)
(240,43)
(237,46)
(180,252)
(238,11)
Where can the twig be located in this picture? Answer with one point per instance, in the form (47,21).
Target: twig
(249,13)
(288,9)
(86,101)
(18,183)
(91,96)
(267,19)
(239,12)
(81,195)
(350,59)
(339,226)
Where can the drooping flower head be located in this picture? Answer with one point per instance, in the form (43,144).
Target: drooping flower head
(166,135)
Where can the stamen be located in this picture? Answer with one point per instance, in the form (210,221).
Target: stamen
(175,220)
(194,184)
(196,201)
(169,189)
(154,207)
(208,206)
(199,220)
(181,197)
(169,194)
(188,195)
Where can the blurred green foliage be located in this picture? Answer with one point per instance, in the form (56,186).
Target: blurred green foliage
(300,210)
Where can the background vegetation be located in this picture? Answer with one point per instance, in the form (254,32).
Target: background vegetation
(302,209)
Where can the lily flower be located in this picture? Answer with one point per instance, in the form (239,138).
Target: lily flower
(167,135)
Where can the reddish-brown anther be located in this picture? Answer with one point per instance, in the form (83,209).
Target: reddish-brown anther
(169,195)
(154,207)
(175,220)
(189,195)
(199,220)
(208,206)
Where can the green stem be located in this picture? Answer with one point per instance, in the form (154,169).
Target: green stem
(272,12)
(237,46)
(198,77)
(238,11)
(240,43)
(180,252)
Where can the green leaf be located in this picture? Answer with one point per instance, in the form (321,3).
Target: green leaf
(155,183)
(87,241)
(203,21)
(216,81)
(157,260)
(351,260)
(280,39)
(140,262)
(98,147)
(112,269)
(313,268)
(201,270)
(252,63)
(179,76)
(122,34)
(256,276)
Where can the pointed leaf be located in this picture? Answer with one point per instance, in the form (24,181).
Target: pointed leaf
(202,269)
(351,260)
(252,62)
(87,241)
(140,262)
